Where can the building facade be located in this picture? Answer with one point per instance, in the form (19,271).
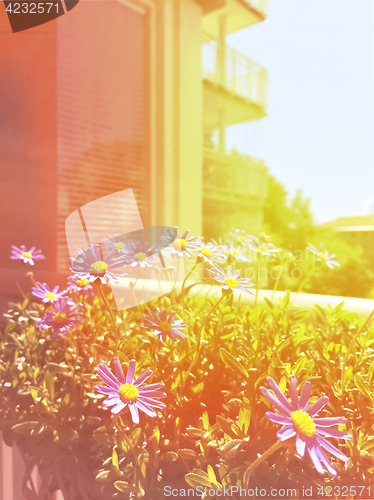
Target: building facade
(122,94)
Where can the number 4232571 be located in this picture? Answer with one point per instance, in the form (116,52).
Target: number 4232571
(32,8)
(345,491)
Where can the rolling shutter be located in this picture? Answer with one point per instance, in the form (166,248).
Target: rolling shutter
(102,110)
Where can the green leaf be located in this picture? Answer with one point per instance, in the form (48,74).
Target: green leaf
(34,393)
(198,388)
(169,456)
(186,453)
(25,427)
(9,327)
(205,420)
(362,386)
(244,418)
(231,362)
(226,427)
(102,476)
(49,384)
(115,459)
(123,486)
(135,435)
(194,479)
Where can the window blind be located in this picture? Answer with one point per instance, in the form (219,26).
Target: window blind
(102,111)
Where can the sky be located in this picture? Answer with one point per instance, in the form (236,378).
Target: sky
(319,135)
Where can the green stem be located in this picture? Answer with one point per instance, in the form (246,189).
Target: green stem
(100,286)
(256,309)
(302,284)
(276,285)
(237,312)
(154,353)
(186,278)
(351,345)
(193,362)
(260,459)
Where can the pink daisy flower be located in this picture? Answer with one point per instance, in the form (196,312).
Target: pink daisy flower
(127,392)
(27,256)
(93,265)
(64,317)
(43,292)
(164,325)
(299,420)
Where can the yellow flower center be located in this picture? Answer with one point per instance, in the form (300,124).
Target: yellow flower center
(322,255)
(263,249)
(165,326)
(303,423)
(27,254)
(59,318)
(180,244)
(140,256)
(205,251)
(119,245)
(231,282)
(82,283)
(236,253)
(242,238)
(50,296)
(128,392)
(99,267)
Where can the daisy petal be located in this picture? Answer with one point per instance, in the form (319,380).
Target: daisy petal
(282,398)
(294,395)
(286,433)
(106,390)
(305,395)
(331,448)
(134,413)
(329,421)
(119,407)
(326,462)
(300,446)
(130,372)
(146,409)
(118,370)
(333,433)
(151,402)
(143,378)
(315,459)
(107,380)
(275,402)
(109,375)
(318,405)
(112,400)
(278,419)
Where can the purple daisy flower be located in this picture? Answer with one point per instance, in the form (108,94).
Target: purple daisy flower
(77,284)
(231,281)
(63,317)
(92,265)
(138,253)
(183,246)
(299,420)
(324,256)
(164,325)
(27,256)
(116,243)
(263,248)
(43,292)
(127,392)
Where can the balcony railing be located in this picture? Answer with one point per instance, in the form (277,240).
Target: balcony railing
(234,177)
(260,5)
(232,70)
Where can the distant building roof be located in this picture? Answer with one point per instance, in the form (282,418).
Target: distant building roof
(355,223)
